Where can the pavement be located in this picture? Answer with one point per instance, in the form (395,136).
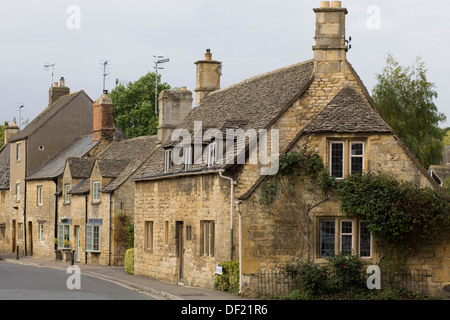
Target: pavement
(159,289)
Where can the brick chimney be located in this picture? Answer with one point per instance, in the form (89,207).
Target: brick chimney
(11,131)
(208,76)
(103,125)
(174,106)
(330,50)
(56,92)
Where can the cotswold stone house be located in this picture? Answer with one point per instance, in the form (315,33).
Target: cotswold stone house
(197,202)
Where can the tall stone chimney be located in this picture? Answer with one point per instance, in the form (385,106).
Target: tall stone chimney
(330,50)
(103,125)
(56,92)
(208,76)
(174,106)
(11,131)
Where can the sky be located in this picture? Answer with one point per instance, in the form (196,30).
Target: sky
(250,37)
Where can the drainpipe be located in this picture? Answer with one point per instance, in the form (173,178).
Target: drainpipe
(110,215)
(56,211)
(232,183)
(85,226)
(25,197)
(240,244)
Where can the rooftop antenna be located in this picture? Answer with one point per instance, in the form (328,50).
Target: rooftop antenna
(158,60)
(105,65)
(20,117)
(47,66)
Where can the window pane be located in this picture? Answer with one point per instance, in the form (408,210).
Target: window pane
(357,165)
(347,244)
(364,240)
(96,240)
(337,160)
(327,230)
(357,149)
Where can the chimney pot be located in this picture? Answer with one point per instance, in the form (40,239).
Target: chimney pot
(324,4)
(183,89)
(208,55)
(336,4)
(55,84)
(62,82)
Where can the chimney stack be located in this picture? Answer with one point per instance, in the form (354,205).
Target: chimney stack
(208,76)
(103,124)
(11,131)
(174,106)
(330,50)
(56,92)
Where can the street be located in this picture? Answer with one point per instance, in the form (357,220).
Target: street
(20,282)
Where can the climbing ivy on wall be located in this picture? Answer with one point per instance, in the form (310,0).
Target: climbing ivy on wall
(403,218)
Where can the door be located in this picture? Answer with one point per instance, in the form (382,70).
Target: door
(77,243)
(13,236)
(180,249)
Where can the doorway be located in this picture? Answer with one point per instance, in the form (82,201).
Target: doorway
(30,233)
(180,249)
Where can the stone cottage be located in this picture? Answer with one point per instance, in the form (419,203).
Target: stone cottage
(196,198)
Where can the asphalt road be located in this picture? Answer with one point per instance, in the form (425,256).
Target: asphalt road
(19,282)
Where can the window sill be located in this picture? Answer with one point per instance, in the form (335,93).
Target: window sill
(95,202)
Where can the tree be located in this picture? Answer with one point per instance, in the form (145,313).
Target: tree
(405,100)
(2,133)
(135,106)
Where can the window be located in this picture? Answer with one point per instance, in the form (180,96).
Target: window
(188,158)
(365,240)
(41,232)
(63,235)
(327,238)
(96,191)
(344,235)
(148,235)
(337,159)
(93,238)
(18,151)
(20,235)
(188,233)
(212,153)
(347,236)
(207,238)
(167,160)
(356,157)
(67,193)
(18,191)
(39,195)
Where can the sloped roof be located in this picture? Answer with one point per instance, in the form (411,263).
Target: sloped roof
(47,114)
(255,104)
(4,167)
(347,112)
(122,158)
(80,168)
(55,167)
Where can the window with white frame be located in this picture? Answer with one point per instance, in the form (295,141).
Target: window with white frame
(18,191)
(93,238)
(188,159)
(346,235)
(63,235)
(337,159)
(207,238)
(39,195)
(167,160)
(67,193)
(41,232)
(356,157)
(18,151)
(96,191)
(212,154)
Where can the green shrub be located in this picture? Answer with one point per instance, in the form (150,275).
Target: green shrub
(228,281)
(129,261)
(312,278)
(347,272)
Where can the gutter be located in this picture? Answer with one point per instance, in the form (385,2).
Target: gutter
(232,183)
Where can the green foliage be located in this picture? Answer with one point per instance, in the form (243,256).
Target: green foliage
(310,278)
(402,217)
(347,272)
(124,231)
(404,98)
(135,106)
(228,281)
(2,133)
(129,261)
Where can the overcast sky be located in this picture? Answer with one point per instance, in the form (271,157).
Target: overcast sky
(250,37)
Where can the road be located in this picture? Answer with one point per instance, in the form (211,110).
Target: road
(21,282)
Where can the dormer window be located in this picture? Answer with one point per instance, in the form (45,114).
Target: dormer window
(167,160)
(212,154)
(96,191)
(346,158)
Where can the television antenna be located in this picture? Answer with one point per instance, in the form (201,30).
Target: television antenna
(47,66)
(158,60)
(105,66)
